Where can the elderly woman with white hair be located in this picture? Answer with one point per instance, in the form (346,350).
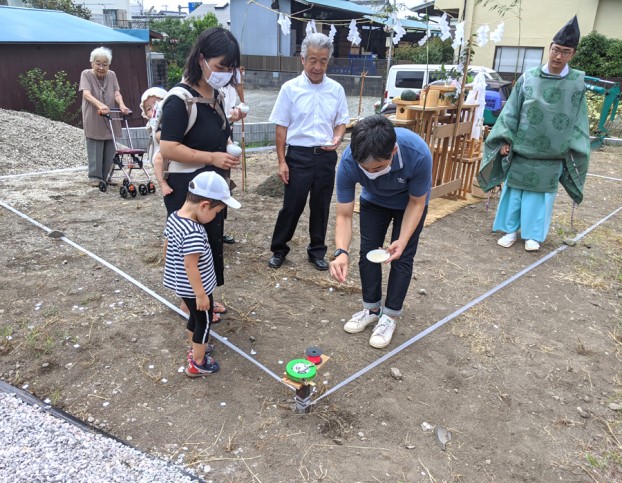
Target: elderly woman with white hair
(100,93)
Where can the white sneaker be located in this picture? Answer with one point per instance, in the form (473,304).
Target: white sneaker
(506,241)
(360,321)
(532,245)
(381,337)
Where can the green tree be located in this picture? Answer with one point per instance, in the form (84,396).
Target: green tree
(503,7)
(66,6)
(52,98)
(599,56)
(591,53)
(434,51)
(173,75)
(179,36)
(613,64)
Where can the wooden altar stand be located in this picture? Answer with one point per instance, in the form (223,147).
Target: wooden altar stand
(455,156)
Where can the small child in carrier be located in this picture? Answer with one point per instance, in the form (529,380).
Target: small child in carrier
(189,267)
(150,107)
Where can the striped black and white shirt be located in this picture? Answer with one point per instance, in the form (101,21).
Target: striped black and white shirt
(185,237)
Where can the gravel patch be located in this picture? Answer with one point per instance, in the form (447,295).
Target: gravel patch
(33,143)
(36,446)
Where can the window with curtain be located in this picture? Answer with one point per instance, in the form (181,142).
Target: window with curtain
(519,59)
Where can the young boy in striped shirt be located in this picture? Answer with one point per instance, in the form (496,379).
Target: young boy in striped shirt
(189,267)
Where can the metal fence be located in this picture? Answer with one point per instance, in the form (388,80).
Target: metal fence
(337,65)
(256,134)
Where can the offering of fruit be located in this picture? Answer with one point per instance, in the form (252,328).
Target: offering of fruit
(408,95)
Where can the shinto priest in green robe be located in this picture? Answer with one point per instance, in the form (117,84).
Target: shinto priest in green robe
(545,124)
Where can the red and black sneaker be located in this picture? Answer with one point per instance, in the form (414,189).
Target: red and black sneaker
(209,349)
(209,366)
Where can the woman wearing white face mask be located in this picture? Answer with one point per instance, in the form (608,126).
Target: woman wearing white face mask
(394,168)
(211,64)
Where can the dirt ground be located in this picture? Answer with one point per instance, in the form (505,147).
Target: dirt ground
(507,377)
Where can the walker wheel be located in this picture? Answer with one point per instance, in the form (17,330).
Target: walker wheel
(123,192)
(142,189)
(300,369)
(151,187)
(132,189)
(126,183)
(103,186)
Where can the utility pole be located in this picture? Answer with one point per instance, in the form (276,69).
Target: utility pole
(389,54)
(390,40)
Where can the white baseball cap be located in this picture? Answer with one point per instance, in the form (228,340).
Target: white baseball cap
(209,184)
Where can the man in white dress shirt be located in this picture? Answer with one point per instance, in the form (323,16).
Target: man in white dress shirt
(310,113)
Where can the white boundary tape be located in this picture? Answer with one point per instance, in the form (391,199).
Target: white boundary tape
(461,310)
(36,173)
(604,177)
(248,150)
(369,367)
(140,286)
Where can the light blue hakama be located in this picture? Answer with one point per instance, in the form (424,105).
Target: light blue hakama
(527,211)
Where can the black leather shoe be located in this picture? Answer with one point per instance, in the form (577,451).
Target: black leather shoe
(228,239)
(319,263)
(276,260)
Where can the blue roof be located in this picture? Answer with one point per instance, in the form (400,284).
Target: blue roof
(30,25)
(407,24)
(369,13)
(141,34)
(342,5)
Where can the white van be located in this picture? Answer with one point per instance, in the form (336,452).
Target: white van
(415,76)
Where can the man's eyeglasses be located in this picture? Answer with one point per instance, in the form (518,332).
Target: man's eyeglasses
(564,53)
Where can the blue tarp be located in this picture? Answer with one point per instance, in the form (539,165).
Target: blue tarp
(370,13)
(342,5)
(31,25)
(407,24)
(141,34)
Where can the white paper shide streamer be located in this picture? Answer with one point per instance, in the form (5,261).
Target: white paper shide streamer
(353,34)
(444,26)
(459,38)
(332,32)
(482,35)
(285,23)
(477,95)
(311,28)
(398,30)
(497,35)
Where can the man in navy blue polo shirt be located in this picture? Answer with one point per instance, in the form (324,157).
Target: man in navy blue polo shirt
(394,168)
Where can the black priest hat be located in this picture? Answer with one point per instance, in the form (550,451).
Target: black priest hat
(569,34)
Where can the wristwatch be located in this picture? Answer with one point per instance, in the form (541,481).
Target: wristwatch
(339,251)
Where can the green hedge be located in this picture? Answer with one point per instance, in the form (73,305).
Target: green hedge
(599,56)
(52,98)
(434,51)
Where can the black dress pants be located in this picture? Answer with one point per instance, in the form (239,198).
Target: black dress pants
(312,175)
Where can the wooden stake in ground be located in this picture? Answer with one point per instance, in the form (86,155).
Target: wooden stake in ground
(363,75)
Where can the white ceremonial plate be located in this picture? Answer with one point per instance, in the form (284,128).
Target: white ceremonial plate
(378,256)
